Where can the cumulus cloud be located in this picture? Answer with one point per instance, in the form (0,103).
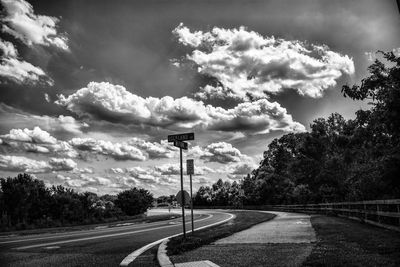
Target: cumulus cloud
(155,150)
(105,101)
(21,22)
(118,151)
(168,169)
(13,68)
(165,174)
(248,64)
(36,141)
(23,164)
(36,135)
(144,175)
(240,169)
(220,152)
(61,125)
(85,182)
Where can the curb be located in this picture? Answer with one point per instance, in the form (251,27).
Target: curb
(131,257)
(162,256)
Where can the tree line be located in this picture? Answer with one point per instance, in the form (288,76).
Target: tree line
(338,160)
(26,202)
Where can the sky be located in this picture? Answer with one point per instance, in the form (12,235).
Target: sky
(90,90)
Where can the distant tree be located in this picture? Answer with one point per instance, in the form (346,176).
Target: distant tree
(25,199)
(203,196)
(134,201)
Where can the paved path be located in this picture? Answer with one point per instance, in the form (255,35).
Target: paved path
(286,240)
(284,228)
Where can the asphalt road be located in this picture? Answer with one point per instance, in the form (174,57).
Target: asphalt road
(99,247)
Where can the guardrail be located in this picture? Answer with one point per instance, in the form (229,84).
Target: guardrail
(383,213)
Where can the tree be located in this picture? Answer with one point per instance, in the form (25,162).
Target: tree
(24,198)
(134,201)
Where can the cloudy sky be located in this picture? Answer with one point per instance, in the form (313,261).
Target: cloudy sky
(89,90)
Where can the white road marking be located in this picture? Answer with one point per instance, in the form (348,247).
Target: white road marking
(52,247)
(96,237)
(131,257)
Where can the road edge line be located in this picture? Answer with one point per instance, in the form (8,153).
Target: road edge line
(131,257)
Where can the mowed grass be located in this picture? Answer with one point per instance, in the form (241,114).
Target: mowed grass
(130,220)
(343,242)
(243,220)
(244,255)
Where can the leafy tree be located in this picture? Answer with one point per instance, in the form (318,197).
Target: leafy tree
(24,198)
(134,201)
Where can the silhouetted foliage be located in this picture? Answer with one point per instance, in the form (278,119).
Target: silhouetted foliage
(134,201)
(338,159)
(25,202)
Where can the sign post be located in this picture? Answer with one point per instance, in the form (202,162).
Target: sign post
(178,142)
(190,171)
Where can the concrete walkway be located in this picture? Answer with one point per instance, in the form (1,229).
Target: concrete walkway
(286,240)
(284,228)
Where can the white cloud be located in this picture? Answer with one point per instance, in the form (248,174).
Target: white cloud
(18,70)
(168,169)
(12,117)
(220,152)
(36,135)
(117,170)
(21,22)
(119,151)
(105,101)
(62,164)
(23,164)
(155,150)
(36,141)
(246,63)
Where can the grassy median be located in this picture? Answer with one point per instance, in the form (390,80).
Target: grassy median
(243,220)
(343,242)
(142,218)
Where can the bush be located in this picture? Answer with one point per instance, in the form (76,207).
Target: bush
(134,201)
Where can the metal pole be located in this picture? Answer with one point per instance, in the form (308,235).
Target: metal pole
(183,198)
(191,203)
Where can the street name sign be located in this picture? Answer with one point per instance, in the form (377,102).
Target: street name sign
(180,137)
(179,197)
(180,144)
(189,166)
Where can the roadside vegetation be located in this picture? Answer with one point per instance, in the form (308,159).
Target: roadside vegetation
(242,221)
(27,203)
(337,160)
(343,242)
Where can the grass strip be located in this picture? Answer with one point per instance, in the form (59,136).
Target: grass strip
(132,219)
(243,220)
(343,242)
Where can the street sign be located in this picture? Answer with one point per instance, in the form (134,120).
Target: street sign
(181,137)
(181,144)
(189,166)
(186,197)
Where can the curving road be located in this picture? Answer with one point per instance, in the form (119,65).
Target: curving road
(99,247)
